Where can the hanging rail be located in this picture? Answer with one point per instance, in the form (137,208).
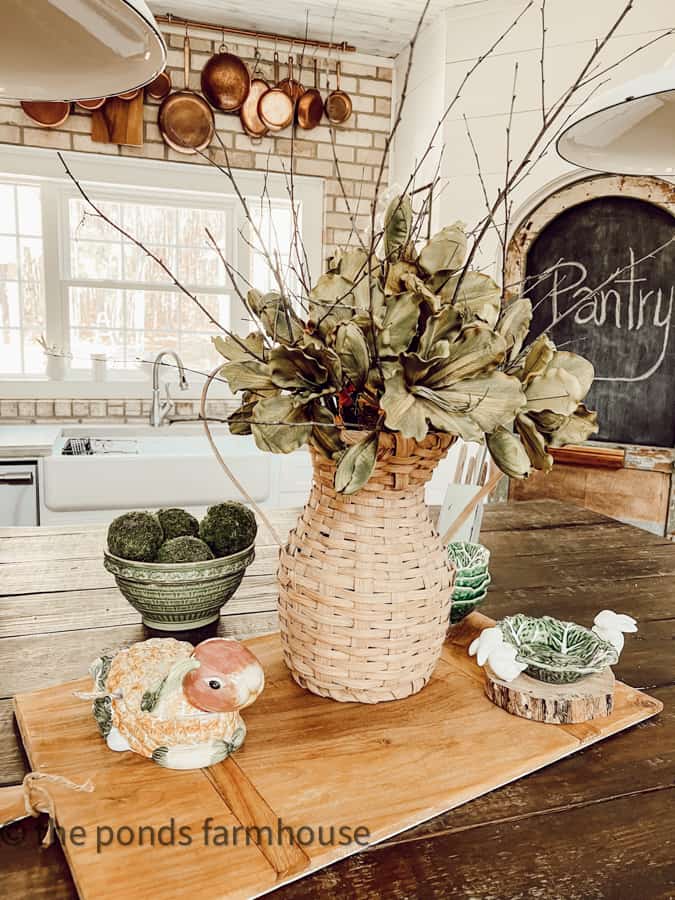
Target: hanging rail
(171,19)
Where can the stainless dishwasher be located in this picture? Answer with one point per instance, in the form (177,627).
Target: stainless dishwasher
(18,493)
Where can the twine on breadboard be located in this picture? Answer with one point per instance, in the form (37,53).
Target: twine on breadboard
(37,799)
(224,466)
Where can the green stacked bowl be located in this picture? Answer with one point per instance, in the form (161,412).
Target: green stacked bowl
(472,577)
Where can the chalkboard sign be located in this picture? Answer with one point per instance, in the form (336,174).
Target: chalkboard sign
(626,330)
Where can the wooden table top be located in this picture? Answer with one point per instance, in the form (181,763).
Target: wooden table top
(599,824)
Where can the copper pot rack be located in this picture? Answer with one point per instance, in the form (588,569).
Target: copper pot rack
(171,19)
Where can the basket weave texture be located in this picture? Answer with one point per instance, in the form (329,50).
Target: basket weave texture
(364,583)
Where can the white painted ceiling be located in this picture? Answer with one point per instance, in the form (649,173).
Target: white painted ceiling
(380,27)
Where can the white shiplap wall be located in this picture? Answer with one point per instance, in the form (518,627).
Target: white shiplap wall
(573,26)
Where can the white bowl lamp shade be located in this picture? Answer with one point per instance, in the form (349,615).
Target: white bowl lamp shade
(77,49)
(627,131)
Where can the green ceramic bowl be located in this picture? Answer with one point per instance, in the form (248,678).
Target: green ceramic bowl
(468,558)
(557,652)
(471,581)
(461,608)
(179,596)
(462,592)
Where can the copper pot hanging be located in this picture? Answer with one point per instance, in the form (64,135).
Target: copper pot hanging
(275,107)
(225,80)
(290,85)
(310,106)
(160,87)
(185,118)
(338,105)
(251,122)
(91,105)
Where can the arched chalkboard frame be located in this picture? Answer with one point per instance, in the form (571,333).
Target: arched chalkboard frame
(575,234)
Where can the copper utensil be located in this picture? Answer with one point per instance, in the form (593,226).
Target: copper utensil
(46,113)
(91,104)
(275,107)
(160,87)
(251,122)
(290,85)
(225,80)
(310,105)
(129,95)
(185,118)
(338,103)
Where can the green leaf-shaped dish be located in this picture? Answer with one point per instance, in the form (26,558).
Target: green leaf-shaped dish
(470,592)
(461,608)
(557,652)
(469,558)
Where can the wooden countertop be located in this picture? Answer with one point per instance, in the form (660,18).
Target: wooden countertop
(594,825)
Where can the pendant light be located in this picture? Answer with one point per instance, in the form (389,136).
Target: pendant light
(629,130)
(77,49)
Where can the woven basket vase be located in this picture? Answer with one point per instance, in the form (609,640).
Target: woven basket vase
(364,582)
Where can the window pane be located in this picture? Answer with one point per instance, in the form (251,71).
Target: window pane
(34,360)
(8,268)
(7,209)
(147,344)
(30,211)
(85,341)
(97,260)
(195,319)
(201,265)
(149,223)
(85,224)
(10,308)
(96,308)
(10,351)
(153,310)
(138,266)
(192,225)
(30,254)
(198,353)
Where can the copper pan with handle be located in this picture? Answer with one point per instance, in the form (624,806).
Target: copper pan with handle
(338,105)
(226,80)
(310,105)
(275,107)
(291,85)
(185,118)
(251,122)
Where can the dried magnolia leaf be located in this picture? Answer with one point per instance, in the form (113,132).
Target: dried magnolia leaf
(476,350)
(534,443)
(236,349)
(577,366)
(508,452)
(277,316)
(239,421)
(294,369)
(356,465)
(281,424)
(397,226)
(352,348)
(514,325)
(476,296)
(248,375)
(440,328)
(400,324)
(538,358)
(577,428)
(325,437)
(395,272)
(556,390)
(445,251)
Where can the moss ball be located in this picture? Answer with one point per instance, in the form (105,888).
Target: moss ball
(177,522)
(228,527)
(185,548)
(135,535)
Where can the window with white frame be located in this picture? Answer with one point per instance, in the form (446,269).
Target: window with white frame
(71,277)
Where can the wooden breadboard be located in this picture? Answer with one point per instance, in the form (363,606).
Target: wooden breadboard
(307,762)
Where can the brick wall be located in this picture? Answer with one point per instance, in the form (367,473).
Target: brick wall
(359,141)
(359,144)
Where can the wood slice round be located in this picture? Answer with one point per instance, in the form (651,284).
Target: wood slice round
(559,704)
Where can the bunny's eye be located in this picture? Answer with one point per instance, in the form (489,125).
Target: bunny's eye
(215,684)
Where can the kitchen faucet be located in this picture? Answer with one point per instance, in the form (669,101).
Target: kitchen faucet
(160,409)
